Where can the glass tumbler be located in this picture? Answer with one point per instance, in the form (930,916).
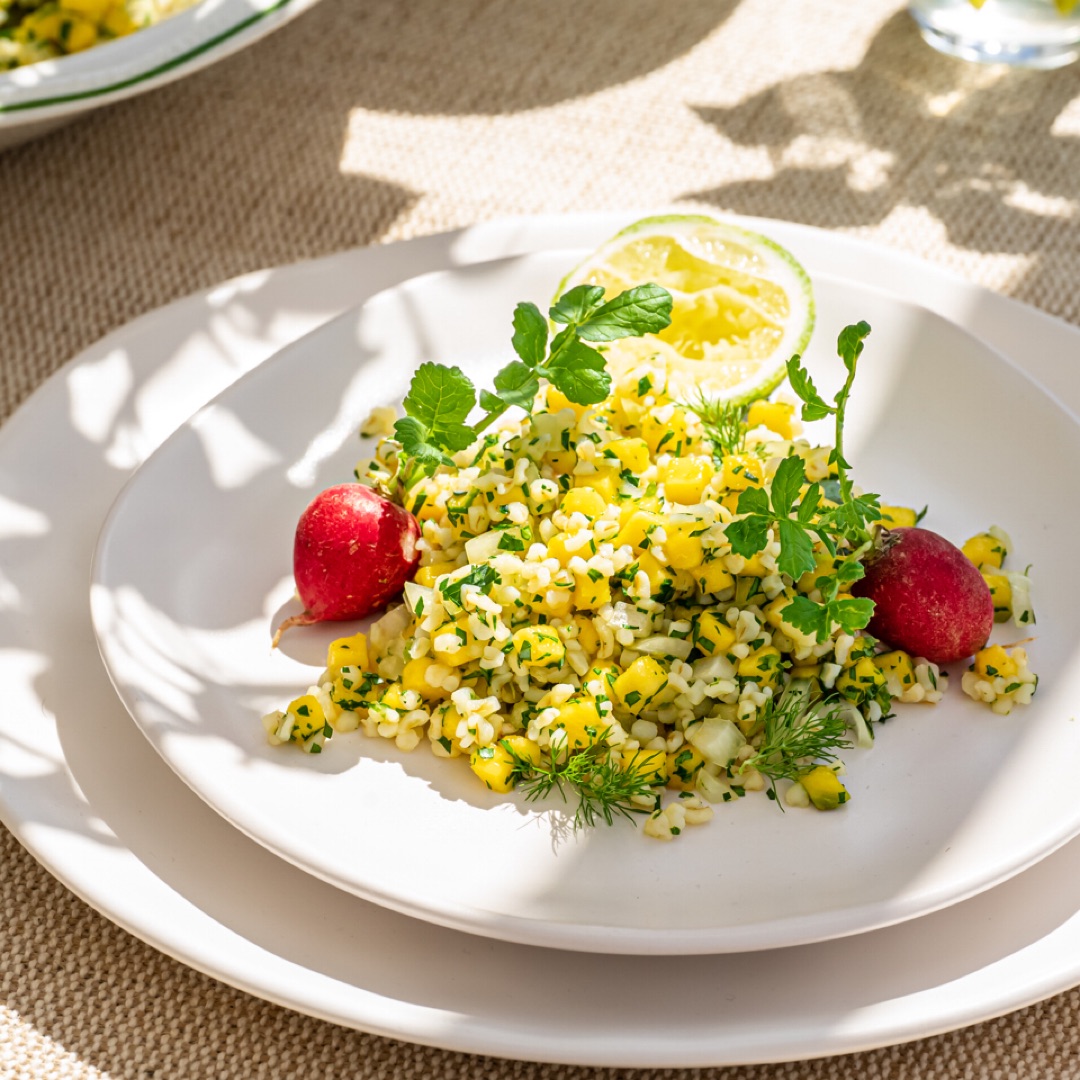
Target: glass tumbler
(1025,33)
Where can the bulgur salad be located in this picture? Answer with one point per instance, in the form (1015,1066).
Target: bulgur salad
(35,30)
(650,604)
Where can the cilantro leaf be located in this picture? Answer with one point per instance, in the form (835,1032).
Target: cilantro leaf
(530,334)
(575,306)
(645,309)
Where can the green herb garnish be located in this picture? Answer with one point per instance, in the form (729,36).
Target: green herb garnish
(799,731)
(605,790)
(441,398)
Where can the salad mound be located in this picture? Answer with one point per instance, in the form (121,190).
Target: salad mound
(638,600)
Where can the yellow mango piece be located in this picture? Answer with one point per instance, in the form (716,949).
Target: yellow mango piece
(414,677)
(897,668)
(683,766)
(651,765)
(561,462)
(1001,591)
(347,652)
(583,501)
(632,454)
(538,647)
(994,660)
(824,788)
(581,722)
(668,435)
(763,666)
(685,479)
(860,681)
(660,577)
(896,517)
(682,548)
(590,595)
(428,575)
(712,635)
(498,767)
(641,684)
(605,482)
(307,716)
(777,416)
(714,577)
(985,550)
(557,401)
(742,471)
(637,529)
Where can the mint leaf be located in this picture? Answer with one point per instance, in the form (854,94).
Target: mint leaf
(530,334)
(517,384)
(577,305)
(814,406)
(786,485)
(645,309)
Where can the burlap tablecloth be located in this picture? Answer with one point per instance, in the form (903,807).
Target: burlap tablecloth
(367,121)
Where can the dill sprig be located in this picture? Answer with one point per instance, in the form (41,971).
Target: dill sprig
(603,788)
(724,423)
(800,730)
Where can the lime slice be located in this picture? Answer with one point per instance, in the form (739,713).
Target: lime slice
(742,304)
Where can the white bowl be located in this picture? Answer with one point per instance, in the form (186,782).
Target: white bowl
(39,97)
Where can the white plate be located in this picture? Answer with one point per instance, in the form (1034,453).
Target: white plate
(37,98)
(97,806)
(194,564)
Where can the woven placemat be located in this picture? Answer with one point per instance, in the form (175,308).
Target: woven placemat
(367,122)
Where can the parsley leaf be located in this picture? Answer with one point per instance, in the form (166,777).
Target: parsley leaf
(645,309)
(530,334)
(517,384)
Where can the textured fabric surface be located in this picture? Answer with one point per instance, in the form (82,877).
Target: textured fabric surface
(367,121)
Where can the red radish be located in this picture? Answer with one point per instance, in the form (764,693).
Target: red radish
(353,553)
(929,599)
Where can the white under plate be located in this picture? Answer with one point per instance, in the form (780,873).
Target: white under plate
(194,565)
(96,805)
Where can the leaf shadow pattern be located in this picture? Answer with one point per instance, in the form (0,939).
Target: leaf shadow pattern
(984,150)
